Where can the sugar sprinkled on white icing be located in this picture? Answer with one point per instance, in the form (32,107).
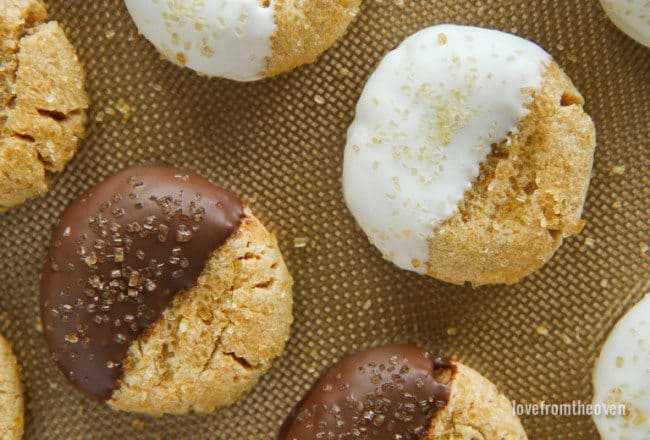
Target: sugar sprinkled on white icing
(631,16)
(622,377)
(424,123)
(225,38)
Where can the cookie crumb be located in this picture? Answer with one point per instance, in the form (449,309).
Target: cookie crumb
(99,117)
(123,107)
(541,330)
(590,242)
(110,34)
(604,282)
(367,305)
(300,242)
(644,248)
(344,71)
(566,338)
(319,100)
(618,169)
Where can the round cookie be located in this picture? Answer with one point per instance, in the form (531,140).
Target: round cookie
(163,293)
(622,378)
(401,391)
(42,101)
(469,157)
(11,395)
(243,40)
(630,16)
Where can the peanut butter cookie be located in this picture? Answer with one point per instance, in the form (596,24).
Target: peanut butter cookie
(42,101)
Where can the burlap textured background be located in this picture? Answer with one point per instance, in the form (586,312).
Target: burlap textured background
(279,144)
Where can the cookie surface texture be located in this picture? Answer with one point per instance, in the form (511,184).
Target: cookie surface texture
(11,395)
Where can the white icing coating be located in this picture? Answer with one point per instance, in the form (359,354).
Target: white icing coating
(622,376)
(424,123)
(631,16)
(225,38)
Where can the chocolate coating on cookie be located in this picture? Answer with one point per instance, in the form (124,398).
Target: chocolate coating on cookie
(387,392)
(119,255)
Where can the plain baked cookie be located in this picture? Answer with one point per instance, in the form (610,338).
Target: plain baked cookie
(402,392)
(42,101)
(11,395)
(163,293)
(242,40)
(469,157)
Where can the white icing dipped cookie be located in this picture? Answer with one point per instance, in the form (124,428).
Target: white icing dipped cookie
(426,122)
(622,377)
(630,16)
(242,40)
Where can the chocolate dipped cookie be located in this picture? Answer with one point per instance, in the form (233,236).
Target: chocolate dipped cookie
(162,293)
(402,392)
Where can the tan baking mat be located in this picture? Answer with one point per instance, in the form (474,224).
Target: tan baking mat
(279,143)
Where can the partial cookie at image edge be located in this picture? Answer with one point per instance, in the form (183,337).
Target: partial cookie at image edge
(43,102)
(11,395)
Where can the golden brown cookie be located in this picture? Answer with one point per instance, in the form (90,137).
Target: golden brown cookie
(402,392)
(243,40)
(162,293)
(11,395)
(42,101)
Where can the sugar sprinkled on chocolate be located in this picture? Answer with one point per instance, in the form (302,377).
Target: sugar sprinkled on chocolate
(120,254)
(384,393)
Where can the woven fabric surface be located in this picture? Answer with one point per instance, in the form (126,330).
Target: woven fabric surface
(279,144)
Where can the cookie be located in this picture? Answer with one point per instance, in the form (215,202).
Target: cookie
(11,395)
(402,392)
(622,378)
(469,157)
(630,16)
(42,101)
(163,293)
(244,40)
